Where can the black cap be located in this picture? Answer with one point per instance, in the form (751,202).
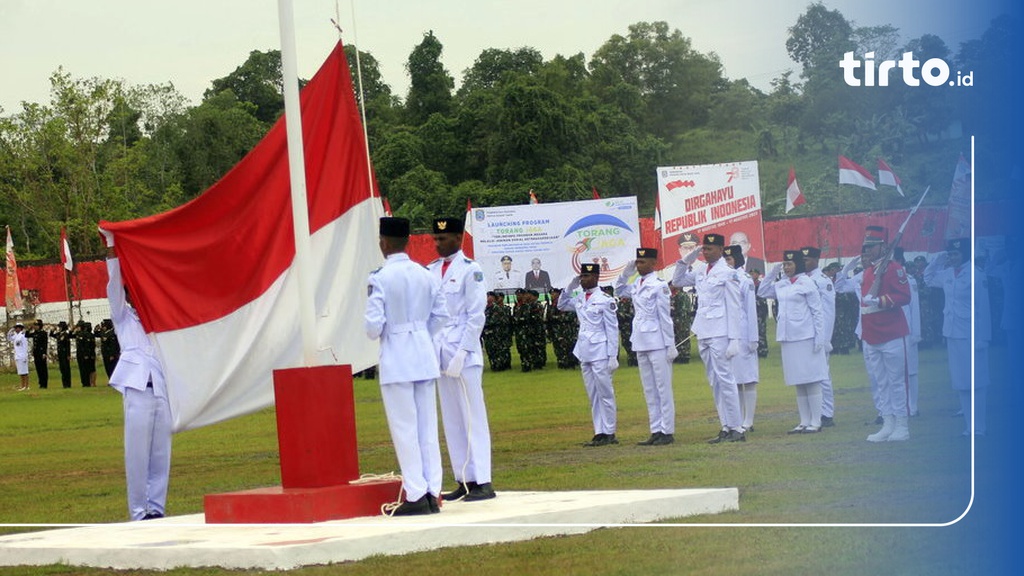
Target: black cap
(506,258)
(39,322)
(875,235)
(714,240)
(961,245)
(448,226)
(394,227)
(62,324)
(520,291)
(796,257)
(735,252)
(590,268)
(533,292)
(646,252)
(811,252)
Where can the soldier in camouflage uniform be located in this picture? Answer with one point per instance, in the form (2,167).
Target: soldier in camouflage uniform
(844,337)
(624,312)
(497,334)
(761,304)
(528,322)
(562,329)
(682,318)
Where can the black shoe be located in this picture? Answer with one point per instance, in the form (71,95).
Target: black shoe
(879,420)
(750,428)
(480,492)
(152,516)
(722,435)
(462,490)
(650,441)
(811,430)
(432,502)
(612,439)
(798,430)
(597,440)
(664,440)
(735,436)
(827,422)
(414,508)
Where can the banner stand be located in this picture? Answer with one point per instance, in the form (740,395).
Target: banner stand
(316,434)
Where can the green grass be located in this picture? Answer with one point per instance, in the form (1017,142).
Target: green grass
(61,462)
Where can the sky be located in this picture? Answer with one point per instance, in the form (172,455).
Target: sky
(189,43)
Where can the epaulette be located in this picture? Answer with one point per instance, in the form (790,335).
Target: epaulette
(377,270)
(467,260)
(435,261)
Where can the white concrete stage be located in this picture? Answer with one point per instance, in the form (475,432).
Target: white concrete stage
(182,541)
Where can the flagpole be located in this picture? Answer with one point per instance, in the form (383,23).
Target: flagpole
(297,173)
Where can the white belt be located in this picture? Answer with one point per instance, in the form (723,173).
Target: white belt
(407,327)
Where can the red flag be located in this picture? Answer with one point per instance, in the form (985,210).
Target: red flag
(387,208)
(596,195)
(533,198)
(794,197)
(13,288)
(888,177)
(65,251)
(855,174)
(467,231)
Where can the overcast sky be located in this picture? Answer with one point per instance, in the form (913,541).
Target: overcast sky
(191,42)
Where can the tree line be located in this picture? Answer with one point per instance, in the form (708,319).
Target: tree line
(105,149)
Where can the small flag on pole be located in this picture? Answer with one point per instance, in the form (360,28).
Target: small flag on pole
(533,198)
(794,197)
(65,251)
(13,288)
(596,195)
(467,232)
(387,208)
(887,177)
(852,173)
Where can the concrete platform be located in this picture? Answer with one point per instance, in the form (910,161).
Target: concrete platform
(186,541)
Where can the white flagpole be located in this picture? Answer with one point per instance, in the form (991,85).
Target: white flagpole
(297,173)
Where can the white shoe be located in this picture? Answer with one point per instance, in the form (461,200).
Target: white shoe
(888,425)
(901,431)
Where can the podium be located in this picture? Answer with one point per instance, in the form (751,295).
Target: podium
(316,436)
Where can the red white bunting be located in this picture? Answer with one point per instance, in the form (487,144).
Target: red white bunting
(887,177)
(852,173)
(794,197)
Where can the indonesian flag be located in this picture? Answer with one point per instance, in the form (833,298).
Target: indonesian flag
(467,232)
(65,251)
(853,173)
(387,208)
(596,195)
(888,177)
(214,280)
(794,197)
(13,288)
(533,198)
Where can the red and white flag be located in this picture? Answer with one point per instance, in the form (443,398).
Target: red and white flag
(467,231)
(533,198)
(387,207)
(794,197)
(596,195)
(214,280)
(65,251)
(852,173)
(13,291)
(887,177)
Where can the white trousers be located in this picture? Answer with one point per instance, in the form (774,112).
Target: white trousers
(411,409)
(147,451)
(466,431)
(656,378)
(597,379)
(722,382)
(887,365)
(828,407)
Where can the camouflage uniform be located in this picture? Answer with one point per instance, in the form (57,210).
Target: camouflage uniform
(682,318)
(844,338)
(762,327)
(528,320)
(562,328)
(624,312)
(497,336)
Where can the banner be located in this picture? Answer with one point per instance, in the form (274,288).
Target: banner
(541,246)
(720,198)
(13,290)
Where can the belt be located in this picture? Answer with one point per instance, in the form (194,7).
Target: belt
(407,327)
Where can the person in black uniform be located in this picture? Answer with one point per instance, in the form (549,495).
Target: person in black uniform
(110,349)
(63,339)
(40,345)
(85,352)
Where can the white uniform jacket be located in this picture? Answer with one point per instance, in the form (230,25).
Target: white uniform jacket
(405,310)
(827,293)
(465,295)
(956,313)
(20,343)
(598,337)
(652,319)
(748,306)
(138,365)
(718,299)
(800,312)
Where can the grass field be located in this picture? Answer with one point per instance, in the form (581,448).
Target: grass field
(61,462)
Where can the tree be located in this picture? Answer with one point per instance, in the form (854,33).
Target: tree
(819,37)
(492,66)
(430,89)
(258,82)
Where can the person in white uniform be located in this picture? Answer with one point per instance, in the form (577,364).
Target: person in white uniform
(800,332)
(717,325)
(139,377)
(597,348)
(405,310)
(827,292)
(460,386)
(16,336)
(951,271)
(745,367)
(653,340)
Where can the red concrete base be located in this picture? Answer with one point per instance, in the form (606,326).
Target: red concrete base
(279,505)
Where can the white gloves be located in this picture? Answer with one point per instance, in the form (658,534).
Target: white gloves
(752,347)
(671,353)
(691,257)
(848,269)
(454,368)
(108,237)
(818,345)
(869,301)
(573,284)
(733,349)
(630,269)
(773,274)
(613,363)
